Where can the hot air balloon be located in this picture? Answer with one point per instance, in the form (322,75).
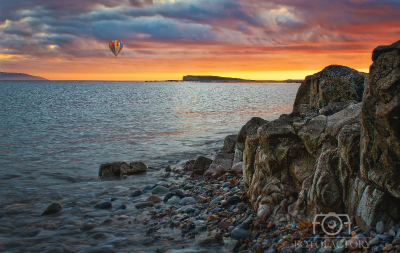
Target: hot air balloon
(115,47)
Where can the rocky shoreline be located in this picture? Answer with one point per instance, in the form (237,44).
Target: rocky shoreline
(324,178)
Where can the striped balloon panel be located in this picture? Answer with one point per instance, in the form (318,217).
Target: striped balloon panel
(116,46)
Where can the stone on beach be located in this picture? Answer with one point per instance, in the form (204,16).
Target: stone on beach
(144,204)
(154,199)
(117,170)
(208,237)
(52,209)
(174,200)
(103,205)
(159,190)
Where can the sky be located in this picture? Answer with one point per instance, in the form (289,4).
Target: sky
(167,39)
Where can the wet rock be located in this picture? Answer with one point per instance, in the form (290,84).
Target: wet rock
(140,205)
(122,207)
(136,168)
(103,205)
(148,188)
(396,242)
(112,170)
(168,196)
(159,190)
(154,199)
(168,169)
(241,234)
(180,193)
(389,247)
(208,237)
(377,248)
(149,231)
(89,226)
(52,209)
(175,200)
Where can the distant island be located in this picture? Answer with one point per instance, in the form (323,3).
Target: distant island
(6,76)
(230,79)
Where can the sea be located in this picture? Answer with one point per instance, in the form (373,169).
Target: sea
(55,134)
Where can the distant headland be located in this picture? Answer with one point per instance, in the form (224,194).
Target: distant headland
(230,79)
(6,76)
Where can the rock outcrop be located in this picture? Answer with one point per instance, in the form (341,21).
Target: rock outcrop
(117,170)
(311,161)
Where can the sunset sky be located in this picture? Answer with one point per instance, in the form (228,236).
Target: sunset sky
(166,39)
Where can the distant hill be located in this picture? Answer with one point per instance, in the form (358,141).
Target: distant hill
(230,79)
(210,78)
(19,77)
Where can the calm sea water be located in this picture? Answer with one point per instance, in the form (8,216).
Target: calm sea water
(55,135)
(79,125)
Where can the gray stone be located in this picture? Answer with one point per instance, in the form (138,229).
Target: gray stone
(380,227)
(159,190)
(187,200)
(230,143)
(144,204)
(174,200)
(240,234)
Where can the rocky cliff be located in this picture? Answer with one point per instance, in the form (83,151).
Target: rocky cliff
(338,151)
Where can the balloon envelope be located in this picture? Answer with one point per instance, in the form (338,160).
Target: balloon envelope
(116,47)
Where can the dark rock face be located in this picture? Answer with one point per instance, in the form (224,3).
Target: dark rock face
(333,153)
(380,132)
(117,170)
(334,83)
(201,165)
(229,143)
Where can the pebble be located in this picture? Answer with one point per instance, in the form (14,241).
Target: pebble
(208,237)
(144,204)
(103,205)
(373,241)
(122,207)
(187,200)
(388,247)
(52,209)
(154,199)
(339,249)
(180,193)
(159,190)
(233,200)
(137,193)
(148,188)
(396,242)
(377,248)
(241,234)
(175,200)
(190,209)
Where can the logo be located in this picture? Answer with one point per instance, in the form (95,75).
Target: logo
(332,224)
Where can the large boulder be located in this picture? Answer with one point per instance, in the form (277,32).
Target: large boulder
(334,83)
(221,164)
(380,135)
(333,153)
(380,132)
(201,165)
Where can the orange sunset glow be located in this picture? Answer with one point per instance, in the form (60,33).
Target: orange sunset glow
(164,40)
